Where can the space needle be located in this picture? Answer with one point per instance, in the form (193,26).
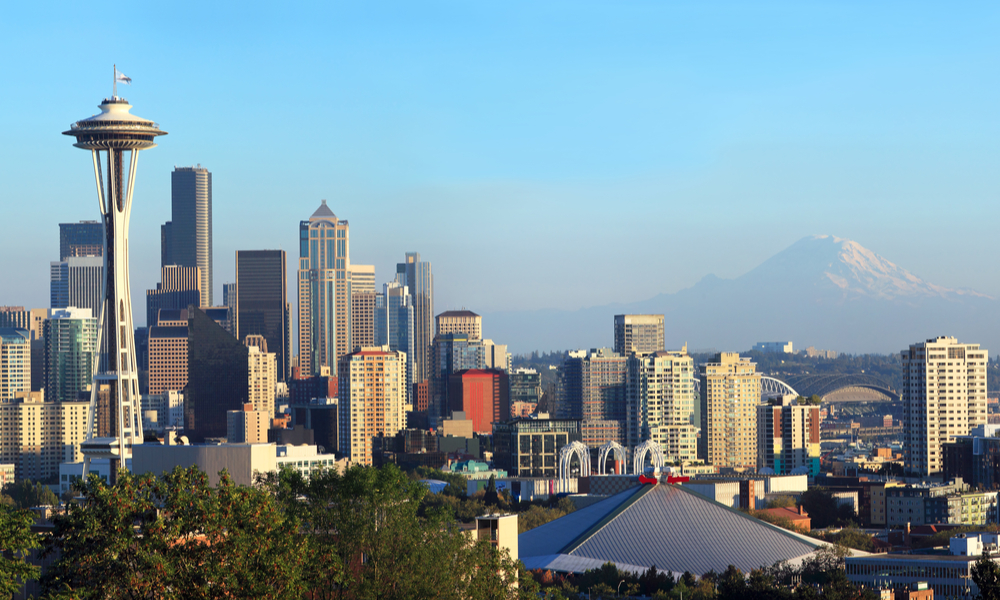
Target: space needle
(114,138)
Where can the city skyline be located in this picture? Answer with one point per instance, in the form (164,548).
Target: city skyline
(796,120)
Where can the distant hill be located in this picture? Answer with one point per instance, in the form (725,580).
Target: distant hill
(821,291)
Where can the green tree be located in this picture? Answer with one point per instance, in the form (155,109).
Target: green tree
(27,494)
(491,498)
(149,538)
(16,543)
(986,575)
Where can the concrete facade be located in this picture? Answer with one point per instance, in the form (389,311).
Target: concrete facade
(638,333)
(730,389)
(661,403)
(943,395)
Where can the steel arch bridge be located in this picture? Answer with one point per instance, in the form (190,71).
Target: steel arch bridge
(824,385)
(771,387)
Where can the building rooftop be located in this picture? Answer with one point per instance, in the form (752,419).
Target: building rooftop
(663,525)
(458,313)
(323,212)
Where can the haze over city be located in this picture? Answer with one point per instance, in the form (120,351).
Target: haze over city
(566,156)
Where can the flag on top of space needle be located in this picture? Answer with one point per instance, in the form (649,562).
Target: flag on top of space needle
(122,77)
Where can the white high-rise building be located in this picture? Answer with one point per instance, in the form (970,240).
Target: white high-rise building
(944,395)
(730,393)
(661,403)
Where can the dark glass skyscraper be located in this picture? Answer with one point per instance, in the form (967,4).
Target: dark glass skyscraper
(85,238)
(262,302)
(218,372)
(190,227)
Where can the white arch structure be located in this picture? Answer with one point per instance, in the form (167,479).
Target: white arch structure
(566,458)
(771,387)
(656,455)
(607,449)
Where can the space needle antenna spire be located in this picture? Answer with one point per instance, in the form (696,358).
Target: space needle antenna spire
(114,138)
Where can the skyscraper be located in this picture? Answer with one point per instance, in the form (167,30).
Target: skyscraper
(394,326)
(115,133)
(70,345)
(594,392)
(218,373)
(324,291)
(944,395)
(371,401)
(85,238)
(661,403)
(263,381)
(15,362)
(460,321)
(416,275)
(179,288)
(730,389)
(32,320)
(76,281)
(638,333)
(262,302)
(190,227)
(362,306)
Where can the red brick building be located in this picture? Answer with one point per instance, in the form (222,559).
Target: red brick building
(484,396)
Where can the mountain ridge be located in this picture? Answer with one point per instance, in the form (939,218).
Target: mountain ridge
(822,291)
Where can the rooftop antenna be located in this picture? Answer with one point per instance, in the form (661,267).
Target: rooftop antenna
(114,81)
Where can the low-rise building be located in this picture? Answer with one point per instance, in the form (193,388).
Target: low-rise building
(951,503)
(530,447)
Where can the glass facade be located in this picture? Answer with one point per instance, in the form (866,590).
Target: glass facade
(85,238)
(262,302)
(324,291)
(218,371)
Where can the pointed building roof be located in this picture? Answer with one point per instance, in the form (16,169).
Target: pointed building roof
(663,525)
(323,212)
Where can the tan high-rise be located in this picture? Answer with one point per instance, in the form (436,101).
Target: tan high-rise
(362,306)
(638,333)
(460,321)
(944,395)
(730,389)
(168,358)
(36,436)
(263,375)
(372,401)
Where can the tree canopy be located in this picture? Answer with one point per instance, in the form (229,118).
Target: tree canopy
(16,543)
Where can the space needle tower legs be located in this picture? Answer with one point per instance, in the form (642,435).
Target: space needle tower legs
(114,138)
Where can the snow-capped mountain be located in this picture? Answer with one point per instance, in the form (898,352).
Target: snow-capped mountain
(821,291)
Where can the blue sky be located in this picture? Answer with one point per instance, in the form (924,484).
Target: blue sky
(538,154)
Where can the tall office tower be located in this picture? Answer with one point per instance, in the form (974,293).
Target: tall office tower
(262,374)
(661,403)
(324,291)
(36,435)
(32,320)
(730,393)
(362,279)
(788,436)
(371,400)
(115,132)
(460,321)
(944,395)
(594,392)
(262,302)
(451,353)
(76,281)
(483,395)
(70,346)
(15,362)
(417,277)
(362,306)
(229,301)
(179,288)
(168,358)
(218,371)
(190,224)
(394,326)
(167,244)
(638,333)
(85,238)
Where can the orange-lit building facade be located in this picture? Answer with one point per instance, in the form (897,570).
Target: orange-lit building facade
(484,396)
